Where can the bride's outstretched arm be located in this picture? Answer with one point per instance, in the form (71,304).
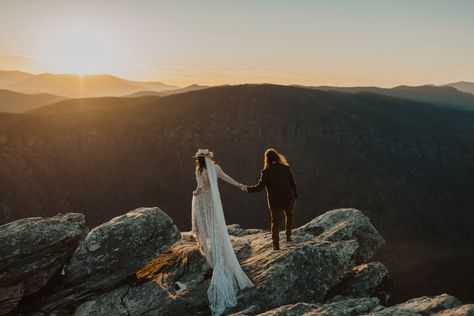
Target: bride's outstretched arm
(221,174)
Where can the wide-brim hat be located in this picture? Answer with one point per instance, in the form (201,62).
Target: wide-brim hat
(203,152)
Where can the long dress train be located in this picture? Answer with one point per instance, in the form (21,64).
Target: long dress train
(209,227)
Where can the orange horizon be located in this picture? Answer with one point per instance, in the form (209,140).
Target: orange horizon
(363,43)
(169,83)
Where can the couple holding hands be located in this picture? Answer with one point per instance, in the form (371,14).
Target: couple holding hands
(209,226)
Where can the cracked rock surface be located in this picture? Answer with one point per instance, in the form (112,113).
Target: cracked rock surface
(140,264)
(32,251)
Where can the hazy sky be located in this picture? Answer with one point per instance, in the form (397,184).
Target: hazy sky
(332,42)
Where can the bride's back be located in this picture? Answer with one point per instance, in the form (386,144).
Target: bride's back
(204,178)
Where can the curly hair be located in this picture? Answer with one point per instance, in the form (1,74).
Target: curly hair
(271,155)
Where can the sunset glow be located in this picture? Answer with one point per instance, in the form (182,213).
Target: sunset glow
(82,48)
(369,42)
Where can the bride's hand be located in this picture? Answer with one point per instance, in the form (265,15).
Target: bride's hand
(243,187)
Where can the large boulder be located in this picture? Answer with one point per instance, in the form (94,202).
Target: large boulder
(341,307)
(176,282)
(436,305)
(464,310)
(365,280)
(110,254)
(157,292)
(32,250)
(425,305)
(304,271)
(345,224)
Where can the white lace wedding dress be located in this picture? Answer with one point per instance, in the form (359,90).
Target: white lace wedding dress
(209,227)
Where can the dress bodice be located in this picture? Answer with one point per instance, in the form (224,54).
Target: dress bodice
(202,179)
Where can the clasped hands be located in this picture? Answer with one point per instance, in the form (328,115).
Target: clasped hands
(243,187)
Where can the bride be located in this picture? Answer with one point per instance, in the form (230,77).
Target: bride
(212,237)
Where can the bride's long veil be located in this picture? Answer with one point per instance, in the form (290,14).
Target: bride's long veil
(227,275)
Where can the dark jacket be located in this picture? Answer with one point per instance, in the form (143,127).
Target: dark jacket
(280,185)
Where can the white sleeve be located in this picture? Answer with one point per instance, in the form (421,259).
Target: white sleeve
(221,174)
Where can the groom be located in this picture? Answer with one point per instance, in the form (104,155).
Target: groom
(278,179)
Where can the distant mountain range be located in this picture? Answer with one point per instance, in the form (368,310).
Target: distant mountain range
(15,102)
(59,87)
(440,95)
(76,86)
(193,87)
(12,76)
(463,86)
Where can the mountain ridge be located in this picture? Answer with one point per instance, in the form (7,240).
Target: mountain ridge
(38,83)
(464,86)
(441,95)
(16,102)
(73,85)
(406,163)
(10,76)
(192,87)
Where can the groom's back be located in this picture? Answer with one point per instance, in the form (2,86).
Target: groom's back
(279,186)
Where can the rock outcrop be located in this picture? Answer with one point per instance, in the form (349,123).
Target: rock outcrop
(437,305)
(111,253)
(140,264)
(51,265)
(342,307)
(305,270)
(422,306)
(345,224)
(32,251)
(366,280)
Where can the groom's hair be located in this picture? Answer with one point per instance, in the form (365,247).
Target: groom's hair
(271,155)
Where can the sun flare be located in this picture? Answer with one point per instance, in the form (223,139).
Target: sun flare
(227,42)
(84,47)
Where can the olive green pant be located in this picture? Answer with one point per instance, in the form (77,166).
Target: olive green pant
(276,217)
